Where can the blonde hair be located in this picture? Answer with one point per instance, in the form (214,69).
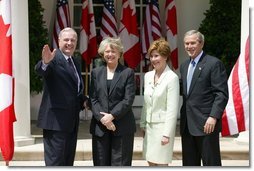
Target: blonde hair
(112,43)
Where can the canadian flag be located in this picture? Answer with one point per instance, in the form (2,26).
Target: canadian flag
(129,34)
(88,44)
(7,116)
(171,30)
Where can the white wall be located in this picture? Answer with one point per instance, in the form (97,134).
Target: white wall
(190,14)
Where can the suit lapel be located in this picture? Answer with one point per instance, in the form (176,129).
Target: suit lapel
(62,61)
(116,77)
(79,74)
(185,71)
(103,80)
(164,73)
(197,72)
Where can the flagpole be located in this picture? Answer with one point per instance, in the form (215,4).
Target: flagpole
(86,80)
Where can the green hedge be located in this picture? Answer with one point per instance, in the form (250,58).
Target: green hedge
(222,30)
(38,36)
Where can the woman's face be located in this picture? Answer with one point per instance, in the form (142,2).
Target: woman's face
(111,55)
(158,62)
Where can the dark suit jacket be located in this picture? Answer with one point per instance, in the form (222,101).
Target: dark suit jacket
(208,94)
(61,102)
(118,101)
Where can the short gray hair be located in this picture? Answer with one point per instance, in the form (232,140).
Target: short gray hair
(200,36)
(113,43)
(67,29)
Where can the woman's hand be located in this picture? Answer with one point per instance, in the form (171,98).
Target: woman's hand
(143,132)
(164,140)
(106,120)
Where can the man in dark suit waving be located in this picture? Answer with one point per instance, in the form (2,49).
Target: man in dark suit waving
(205,95)
(62,100)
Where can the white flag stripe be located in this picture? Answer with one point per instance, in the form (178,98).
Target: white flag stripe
(236,115)
(83,42)
(170,6)
(244,87)
(5,91)
(151,29)
(173,42)
(62,20)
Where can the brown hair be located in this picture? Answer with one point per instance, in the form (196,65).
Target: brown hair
(161,46)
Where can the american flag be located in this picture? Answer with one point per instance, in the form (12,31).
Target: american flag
(171,30)
(7,115)
(129,34)
(151,29)
(62,20)
(235,118)
(108,22)
(88,44)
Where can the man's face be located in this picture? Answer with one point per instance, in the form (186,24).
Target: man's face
(67,42)
(193,46)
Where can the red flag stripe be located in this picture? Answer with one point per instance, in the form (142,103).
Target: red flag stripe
(237,98)
(247,59)
(235,118)
(151,29)
(108,22)
(62,20)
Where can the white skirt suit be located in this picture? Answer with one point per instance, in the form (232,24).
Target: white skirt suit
(159,115)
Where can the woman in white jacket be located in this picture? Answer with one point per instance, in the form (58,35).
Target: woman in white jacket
(160,108)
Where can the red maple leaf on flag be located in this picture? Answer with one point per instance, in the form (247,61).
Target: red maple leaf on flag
(6,68)
(172,20)
(7,115)
(128,19)
(86,20)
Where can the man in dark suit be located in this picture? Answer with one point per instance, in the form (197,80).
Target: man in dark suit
(112,94)
(62,100)
(205,95)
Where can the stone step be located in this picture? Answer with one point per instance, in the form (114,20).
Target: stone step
(135,163)
(230,150)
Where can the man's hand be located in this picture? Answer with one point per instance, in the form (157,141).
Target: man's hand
(47,55)
(86,105)
(210,125)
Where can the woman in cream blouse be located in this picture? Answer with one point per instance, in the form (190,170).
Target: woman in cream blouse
(160,108)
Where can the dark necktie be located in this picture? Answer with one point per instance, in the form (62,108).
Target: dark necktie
(190,74)
(74,72)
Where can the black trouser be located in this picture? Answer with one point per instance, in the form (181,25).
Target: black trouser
(110,150)
(59,147)
(195,148)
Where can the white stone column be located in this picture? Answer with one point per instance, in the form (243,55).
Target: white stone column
(20,47)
